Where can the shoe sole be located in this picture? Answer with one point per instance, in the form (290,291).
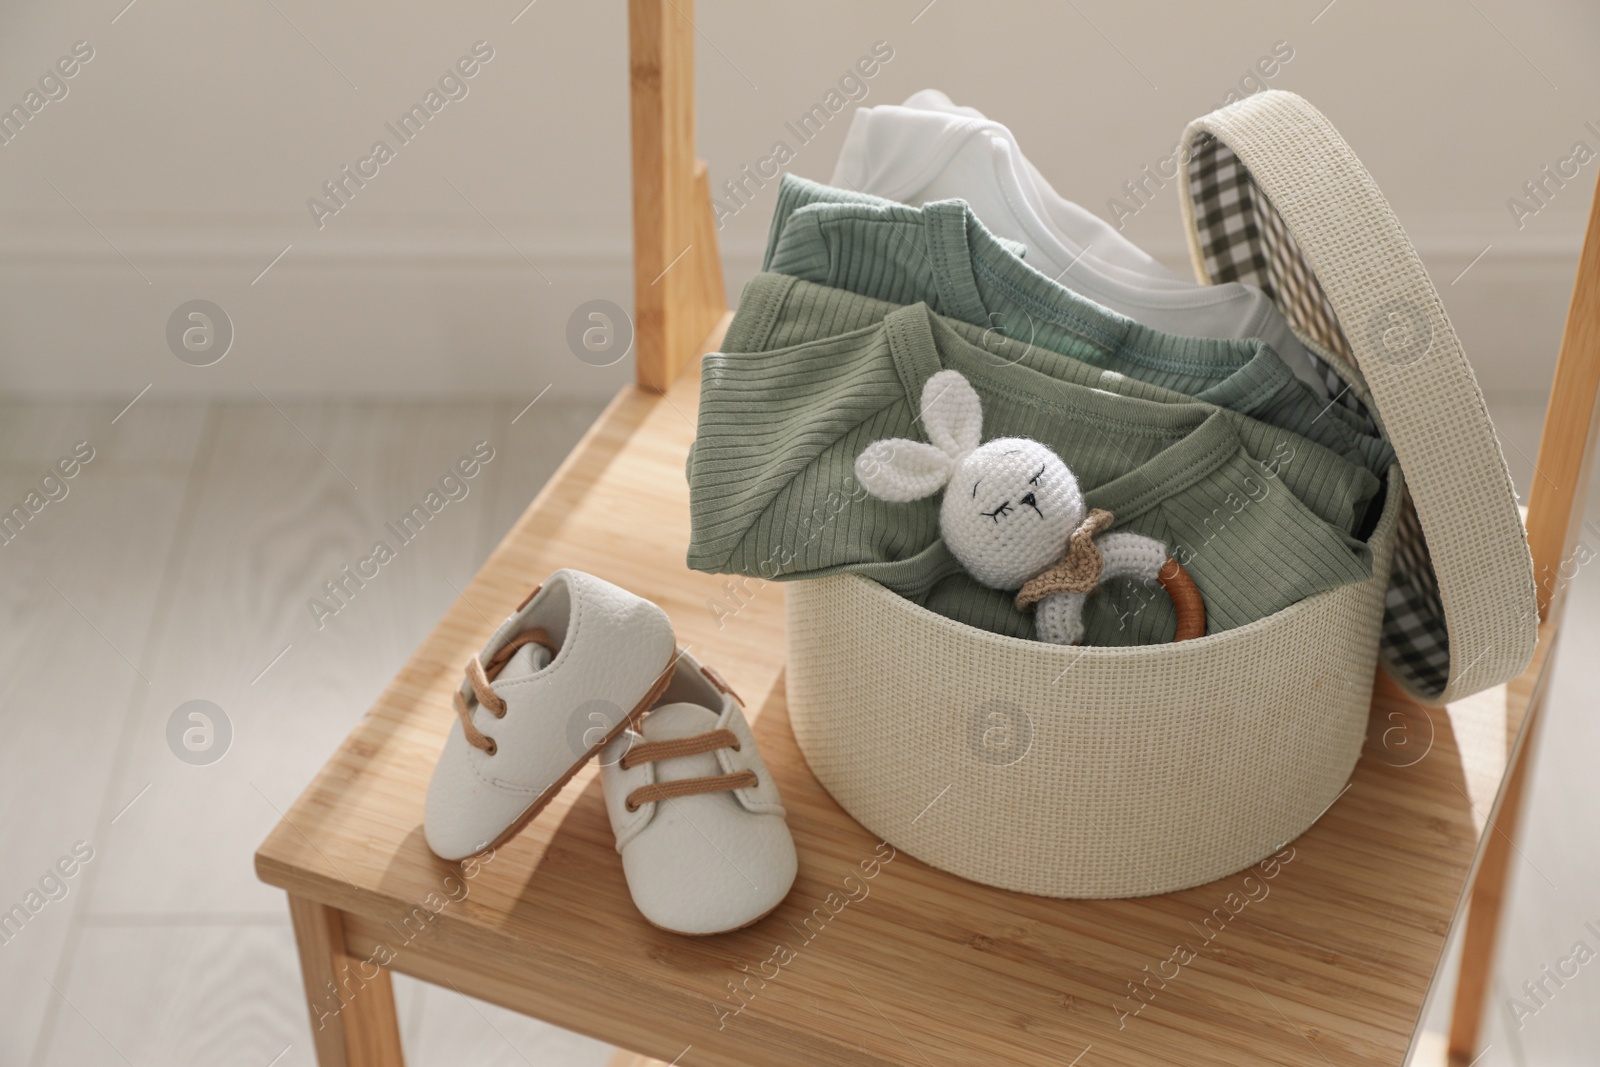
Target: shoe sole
(716,933)
(631,719)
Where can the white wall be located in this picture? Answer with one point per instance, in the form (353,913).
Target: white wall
(192,140)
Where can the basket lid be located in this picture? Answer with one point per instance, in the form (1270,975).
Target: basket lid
(1273,197)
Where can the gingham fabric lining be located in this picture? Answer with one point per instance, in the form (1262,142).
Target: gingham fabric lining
(1246,241)
(1243,238)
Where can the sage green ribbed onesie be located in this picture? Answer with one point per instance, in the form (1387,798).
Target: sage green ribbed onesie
(778,310)
(942,255)
(1259,516)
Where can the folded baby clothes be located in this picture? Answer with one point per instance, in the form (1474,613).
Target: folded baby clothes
(1260,517)
(779,310)
(941,254)
(915,157)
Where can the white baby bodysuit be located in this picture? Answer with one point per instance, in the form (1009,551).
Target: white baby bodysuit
(929,149)
(913,154)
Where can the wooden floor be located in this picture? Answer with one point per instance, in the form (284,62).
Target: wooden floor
(180,566)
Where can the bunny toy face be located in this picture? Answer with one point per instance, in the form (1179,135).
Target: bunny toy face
(1013,515)
(1009,505)
(1008,510)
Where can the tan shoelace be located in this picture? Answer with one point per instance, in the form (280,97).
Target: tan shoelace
(650,751)
(479,676)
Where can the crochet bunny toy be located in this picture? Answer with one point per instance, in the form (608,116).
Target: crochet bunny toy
(1013,515)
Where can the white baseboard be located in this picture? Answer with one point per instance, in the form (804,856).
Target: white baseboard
(453,306)
(387,307)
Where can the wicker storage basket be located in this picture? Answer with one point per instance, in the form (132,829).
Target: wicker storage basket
(1112,772)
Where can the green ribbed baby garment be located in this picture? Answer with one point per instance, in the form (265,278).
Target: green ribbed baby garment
(1259,516)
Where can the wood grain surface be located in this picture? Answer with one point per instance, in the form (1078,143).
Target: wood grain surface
(190,544)
(82,581)
(1324,956)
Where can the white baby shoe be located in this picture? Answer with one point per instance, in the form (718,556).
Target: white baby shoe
(567,672)
(698,819)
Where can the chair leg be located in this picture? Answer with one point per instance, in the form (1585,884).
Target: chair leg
(1487,903)
(352,1012)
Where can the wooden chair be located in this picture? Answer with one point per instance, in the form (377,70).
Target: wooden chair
(1555,513)
(1330,965)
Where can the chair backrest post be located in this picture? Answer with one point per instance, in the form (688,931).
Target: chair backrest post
(1555,515)
(677,270)
(1566,447)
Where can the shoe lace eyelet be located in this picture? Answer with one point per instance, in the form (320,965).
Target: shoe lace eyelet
(491,748)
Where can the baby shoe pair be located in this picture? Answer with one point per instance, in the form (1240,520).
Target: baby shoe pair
(585,668)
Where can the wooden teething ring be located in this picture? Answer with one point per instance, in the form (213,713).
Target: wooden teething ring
(1186,600)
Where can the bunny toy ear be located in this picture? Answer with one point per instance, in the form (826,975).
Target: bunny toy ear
(899,470)
(952,414)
